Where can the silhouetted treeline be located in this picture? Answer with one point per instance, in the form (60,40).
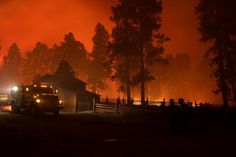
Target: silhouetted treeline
(41,60)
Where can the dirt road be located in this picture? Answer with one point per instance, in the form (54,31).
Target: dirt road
(88,134)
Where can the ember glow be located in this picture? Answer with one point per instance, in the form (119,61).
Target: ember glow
(5,108)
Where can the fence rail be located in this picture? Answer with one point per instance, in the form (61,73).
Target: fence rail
(114,107)
(108,107)
(83,106)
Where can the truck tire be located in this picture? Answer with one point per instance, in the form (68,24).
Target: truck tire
(35,111)
(56,113)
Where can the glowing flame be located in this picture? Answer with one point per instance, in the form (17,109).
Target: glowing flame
(6,108)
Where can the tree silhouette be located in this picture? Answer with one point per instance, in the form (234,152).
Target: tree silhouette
(38,61)
(72,51)
(97,71)
(64,71)
(11,66)
(231,68)
(123,47)
(143,19)
(217,25)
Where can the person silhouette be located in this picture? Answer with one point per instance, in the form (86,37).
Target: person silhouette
(123,101)
(107,101)
(118,102)
(174,116)
(185,114)
(131,101)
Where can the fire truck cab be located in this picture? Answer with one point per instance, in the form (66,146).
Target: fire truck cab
(37,99)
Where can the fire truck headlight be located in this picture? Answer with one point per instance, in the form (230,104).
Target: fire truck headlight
(36,95)
(60,102)
(38,101)
(15,88)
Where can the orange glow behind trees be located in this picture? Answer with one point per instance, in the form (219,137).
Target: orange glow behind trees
(30,21)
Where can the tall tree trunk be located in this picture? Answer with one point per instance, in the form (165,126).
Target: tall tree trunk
(233,86)
(232,79)
(142,67)
(224,95)
(223,84)
(142,62)
(220,42)
(128,96)
(142,79)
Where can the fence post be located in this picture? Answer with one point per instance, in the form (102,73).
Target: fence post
(94,105)
(76,107)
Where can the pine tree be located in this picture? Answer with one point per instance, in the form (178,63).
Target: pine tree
(12,66)
(216,25)
(124,49)
(38,62)
(144,21)
(97,71)
(72,51)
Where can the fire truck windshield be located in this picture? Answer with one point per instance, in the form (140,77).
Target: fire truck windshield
(42,90)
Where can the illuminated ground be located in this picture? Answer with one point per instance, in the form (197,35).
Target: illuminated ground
(130,134)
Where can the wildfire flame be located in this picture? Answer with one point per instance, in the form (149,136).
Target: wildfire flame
(6,108)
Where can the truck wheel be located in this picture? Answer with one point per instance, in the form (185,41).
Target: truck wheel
(56,113)
(35,112)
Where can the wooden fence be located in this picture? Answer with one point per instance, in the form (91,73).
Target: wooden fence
(98,107)
(109,107)
(106,107)
(114,107)
(84,106)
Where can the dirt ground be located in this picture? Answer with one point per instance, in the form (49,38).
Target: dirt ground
(107,134)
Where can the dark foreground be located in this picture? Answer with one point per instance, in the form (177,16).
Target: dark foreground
(212,133)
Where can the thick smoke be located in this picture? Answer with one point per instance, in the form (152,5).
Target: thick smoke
(26,22)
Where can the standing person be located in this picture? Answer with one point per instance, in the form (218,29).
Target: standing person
(163,103)
(185,116)
(174,116)
(131,101)
(123,101)
(107,101)
(118,102)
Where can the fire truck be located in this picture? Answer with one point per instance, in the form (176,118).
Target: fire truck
(36,99)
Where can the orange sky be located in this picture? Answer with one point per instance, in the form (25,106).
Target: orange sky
(26,22)
(29,21)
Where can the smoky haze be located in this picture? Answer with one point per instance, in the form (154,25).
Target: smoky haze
(29,21)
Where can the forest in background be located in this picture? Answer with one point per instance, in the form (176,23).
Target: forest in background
(131,60)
